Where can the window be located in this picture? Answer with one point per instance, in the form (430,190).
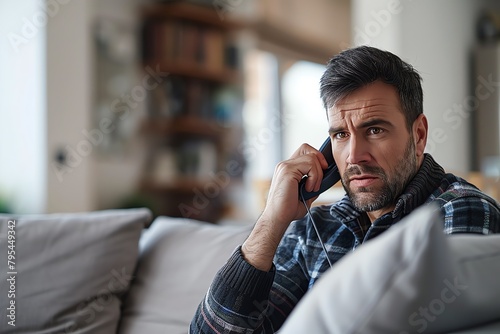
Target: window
(304,118)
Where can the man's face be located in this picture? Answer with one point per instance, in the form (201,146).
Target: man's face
(375,152)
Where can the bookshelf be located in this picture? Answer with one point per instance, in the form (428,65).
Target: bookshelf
(193,126)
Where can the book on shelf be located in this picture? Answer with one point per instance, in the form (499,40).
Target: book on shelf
(199,100)
(164,171)
(197,159)
(181,97)
(207,160)
(175,41)
(168,99)
(194,160)
(164,42)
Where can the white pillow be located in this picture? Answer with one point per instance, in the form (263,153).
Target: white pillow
(71,270)
(411,279)
(177,262)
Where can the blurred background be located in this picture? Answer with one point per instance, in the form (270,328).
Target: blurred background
(186,106)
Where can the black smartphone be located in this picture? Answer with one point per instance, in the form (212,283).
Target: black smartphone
(331,175)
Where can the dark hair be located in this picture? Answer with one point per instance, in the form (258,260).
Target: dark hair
(357,67)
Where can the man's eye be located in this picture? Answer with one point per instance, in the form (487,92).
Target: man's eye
(340,135)
(375,131)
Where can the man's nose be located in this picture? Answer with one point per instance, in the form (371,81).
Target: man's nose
(358,151)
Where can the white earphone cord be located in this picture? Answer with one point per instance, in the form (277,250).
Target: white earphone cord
(315,229)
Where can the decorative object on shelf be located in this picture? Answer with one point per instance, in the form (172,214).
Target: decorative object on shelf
(488,26)
(116,57)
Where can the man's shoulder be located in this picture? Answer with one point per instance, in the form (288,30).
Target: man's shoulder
(465,207)
(453,188)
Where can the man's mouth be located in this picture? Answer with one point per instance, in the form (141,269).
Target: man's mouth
(362,180)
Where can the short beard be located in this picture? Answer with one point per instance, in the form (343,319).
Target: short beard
(392,187)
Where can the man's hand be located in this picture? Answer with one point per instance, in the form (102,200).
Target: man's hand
(283,205)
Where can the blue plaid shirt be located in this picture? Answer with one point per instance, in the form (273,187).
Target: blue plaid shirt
(243,299)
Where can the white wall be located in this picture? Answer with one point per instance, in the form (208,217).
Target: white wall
(437,37)
(377,23)
(22,105)
(69,99)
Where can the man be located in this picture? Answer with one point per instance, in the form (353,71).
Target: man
(378,135)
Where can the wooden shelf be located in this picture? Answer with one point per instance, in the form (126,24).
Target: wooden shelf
(182,10)
(199,51)
(196,71)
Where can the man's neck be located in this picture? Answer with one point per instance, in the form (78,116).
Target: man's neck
(374,215)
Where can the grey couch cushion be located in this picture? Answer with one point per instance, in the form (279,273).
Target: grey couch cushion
(178,260)
(491,328)
(411,279)
(72,270)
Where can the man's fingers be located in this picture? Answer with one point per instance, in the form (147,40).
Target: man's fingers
(309,165)
(315,176)
(306,149)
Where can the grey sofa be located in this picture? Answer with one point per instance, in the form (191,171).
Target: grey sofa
(117,272)
(107,272)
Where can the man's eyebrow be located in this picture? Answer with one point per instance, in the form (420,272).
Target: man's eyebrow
(374,122)
(367,124)
(333,130)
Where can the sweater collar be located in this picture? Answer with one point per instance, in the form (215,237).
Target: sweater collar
(427,179)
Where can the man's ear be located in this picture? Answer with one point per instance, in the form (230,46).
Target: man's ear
(420,129)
